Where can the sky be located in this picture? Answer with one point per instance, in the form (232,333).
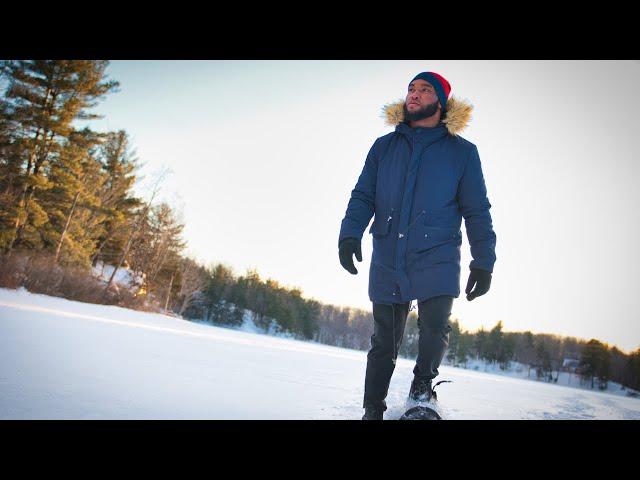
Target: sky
(263,156)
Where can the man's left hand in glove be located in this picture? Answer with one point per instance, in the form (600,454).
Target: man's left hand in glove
(482,281)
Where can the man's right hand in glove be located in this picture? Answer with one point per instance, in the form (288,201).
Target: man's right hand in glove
(347,247)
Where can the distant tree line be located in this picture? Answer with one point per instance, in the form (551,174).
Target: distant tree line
(68,213)
(546,355)
(272,306)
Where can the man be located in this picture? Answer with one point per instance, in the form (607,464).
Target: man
(419,181)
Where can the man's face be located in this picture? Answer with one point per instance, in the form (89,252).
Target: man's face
(421,100)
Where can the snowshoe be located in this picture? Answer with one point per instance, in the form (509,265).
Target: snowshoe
(421,412)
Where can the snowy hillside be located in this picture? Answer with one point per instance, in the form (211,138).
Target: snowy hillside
(68,360)
(124,276)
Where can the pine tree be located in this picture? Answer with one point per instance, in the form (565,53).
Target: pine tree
(76,178)
(43,98)
(454,341)
(480,342)
(308,319)
(594,361)
(119,205)
(604,366)
(527,353)
(10,172)
(632,370)
(494,343)
(464,348)
(507,350)
(543,358)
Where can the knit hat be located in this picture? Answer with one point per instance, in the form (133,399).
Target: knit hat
(439,83)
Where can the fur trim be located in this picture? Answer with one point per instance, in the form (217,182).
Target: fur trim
(457,119)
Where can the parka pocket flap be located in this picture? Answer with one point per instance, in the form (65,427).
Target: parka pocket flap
(439,234)
(380,226)
(427,237)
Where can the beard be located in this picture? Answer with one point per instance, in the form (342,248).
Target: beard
(425,112)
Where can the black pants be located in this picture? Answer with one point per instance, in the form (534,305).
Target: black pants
(389,323)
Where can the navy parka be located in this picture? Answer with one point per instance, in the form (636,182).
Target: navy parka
(418,184)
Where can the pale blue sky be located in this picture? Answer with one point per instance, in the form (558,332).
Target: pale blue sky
(264,155)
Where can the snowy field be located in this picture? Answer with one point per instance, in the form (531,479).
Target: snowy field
(69,360)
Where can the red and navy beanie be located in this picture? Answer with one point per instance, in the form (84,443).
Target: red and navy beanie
(439,83)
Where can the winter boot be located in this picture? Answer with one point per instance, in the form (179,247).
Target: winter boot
(373,413)
(421,392)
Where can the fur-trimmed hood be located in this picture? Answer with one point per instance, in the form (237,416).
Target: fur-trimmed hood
(457,119)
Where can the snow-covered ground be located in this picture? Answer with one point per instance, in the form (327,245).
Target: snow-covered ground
(69,360)
(124,276)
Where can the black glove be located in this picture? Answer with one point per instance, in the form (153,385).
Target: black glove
(482,280)
(347,247)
